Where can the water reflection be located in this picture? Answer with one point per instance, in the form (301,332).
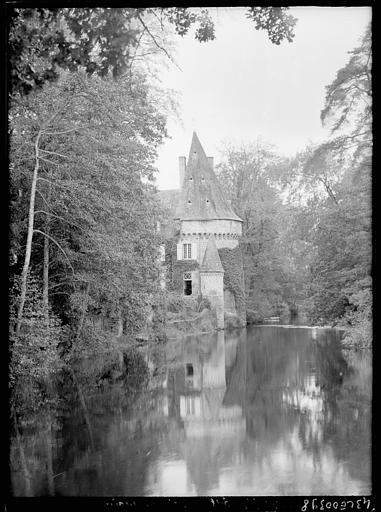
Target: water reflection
(196,388)
(264,414)
(212,430)
(267,411)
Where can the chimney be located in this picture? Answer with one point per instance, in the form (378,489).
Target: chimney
(182,164)
(211,162)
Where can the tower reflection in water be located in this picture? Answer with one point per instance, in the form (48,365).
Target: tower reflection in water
(197,388)
(213,429)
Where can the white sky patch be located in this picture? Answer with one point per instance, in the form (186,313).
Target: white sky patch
(240,86)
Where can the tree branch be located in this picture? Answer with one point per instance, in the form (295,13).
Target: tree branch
(152,11)
(53,183)
(53,153)
(328,189)
(58,217)
(66,131)
(49,161)
(156,43)
(135,55)
(58,245)
(46,202)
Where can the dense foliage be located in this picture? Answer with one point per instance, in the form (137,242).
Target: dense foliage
(341,271)
(34,353)
(110,40)
(94,202)
(248,175)
(232,263)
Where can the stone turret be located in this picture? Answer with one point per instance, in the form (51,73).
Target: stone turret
(212,280)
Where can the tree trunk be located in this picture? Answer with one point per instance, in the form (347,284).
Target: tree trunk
(28,250)
(45,284)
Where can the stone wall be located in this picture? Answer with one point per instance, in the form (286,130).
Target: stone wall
(226,232)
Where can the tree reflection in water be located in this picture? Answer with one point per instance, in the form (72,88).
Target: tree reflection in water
(263,411)
(288,432)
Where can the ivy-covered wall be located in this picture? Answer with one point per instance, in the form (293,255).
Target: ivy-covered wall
(176,268)
(232,262)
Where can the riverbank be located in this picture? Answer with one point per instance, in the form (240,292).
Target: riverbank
(348,336)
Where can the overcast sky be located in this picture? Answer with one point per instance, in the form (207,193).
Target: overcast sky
(240,86)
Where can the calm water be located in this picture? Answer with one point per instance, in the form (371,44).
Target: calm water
(265,411)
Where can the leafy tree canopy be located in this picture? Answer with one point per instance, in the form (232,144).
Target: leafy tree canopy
(351,91)
(97,145)
(249,176)
(103,40)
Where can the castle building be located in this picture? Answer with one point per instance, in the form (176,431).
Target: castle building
(207,228)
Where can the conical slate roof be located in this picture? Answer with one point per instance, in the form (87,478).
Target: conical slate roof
(201,197)
(211,261)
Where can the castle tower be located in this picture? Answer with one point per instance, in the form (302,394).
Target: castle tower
(207,224)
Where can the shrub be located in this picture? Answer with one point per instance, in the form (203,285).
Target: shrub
(203,303)
(253,317)
(34,356)
(359,336)
(177,303)
(261,305)
(281,309)
(232,321)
